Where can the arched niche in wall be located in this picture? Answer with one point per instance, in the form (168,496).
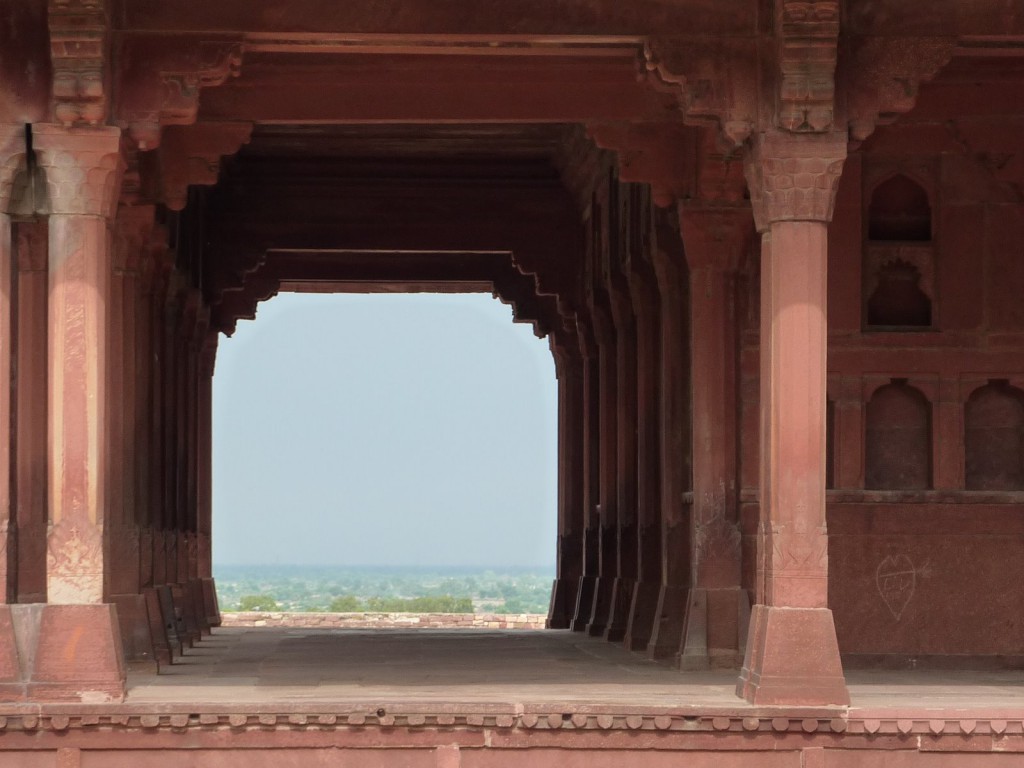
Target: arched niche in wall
(994,438)
(899,269)
(898,439)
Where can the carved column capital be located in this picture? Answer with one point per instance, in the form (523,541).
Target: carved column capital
(83,168)
(78,50)
(794,177)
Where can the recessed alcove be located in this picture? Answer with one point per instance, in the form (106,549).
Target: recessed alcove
(897,445)
(994,438)
(899,280)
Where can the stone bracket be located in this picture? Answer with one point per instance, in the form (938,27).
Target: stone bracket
(884,75)
(163,84)
(715,83)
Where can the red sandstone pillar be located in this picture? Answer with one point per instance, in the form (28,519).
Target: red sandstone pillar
(674,439)
(715,240)
(207,358)
(590,459)
(570,510)
(132,228)
(608,550)
(625,459)
(646,305)
(792,656)
(8,522)
(79,650)
(30,386)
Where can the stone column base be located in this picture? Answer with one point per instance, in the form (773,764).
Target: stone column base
(136,633)
(642,615)
(604,593)
(61,653)
(618,614)
(669,621)
(210,604)
(584,604)
(158,629)
(172,622)
(792,657)
(717,621)
(563,602)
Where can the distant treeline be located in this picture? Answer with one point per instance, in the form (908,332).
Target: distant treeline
(382,589)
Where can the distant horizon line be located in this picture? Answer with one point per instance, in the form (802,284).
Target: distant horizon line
(446,566)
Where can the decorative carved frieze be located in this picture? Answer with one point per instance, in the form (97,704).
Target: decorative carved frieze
(808,34)
(82,167)
(794,177)
(885,74)
(78,50)
(74,562)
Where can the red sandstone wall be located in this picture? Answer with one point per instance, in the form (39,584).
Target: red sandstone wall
(922,573)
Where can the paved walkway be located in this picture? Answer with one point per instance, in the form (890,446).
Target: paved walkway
(508,670)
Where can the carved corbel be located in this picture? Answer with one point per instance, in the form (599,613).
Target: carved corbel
(662,155)
(884,76)
(78,50)
(808,37)
(161,86)
(715,83)
(192,155)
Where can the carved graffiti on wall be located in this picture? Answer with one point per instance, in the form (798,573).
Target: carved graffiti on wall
(896,579)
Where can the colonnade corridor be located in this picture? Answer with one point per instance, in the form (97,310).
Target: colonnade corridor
(774,248)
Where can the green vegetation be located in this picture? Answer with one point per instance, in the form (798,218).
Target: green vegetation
(386,590)
(258,603)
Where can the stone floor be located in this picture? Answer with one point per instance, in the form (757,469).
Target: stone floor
(506,670)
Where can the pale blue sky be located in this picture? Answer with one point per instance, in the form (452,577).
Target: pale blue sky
(408,429)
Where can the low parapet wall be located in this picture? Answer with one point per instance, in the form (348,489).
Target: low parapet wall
(385,620)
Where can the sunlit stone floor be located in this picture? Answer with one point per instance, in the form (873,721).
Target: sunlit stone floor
(504,669)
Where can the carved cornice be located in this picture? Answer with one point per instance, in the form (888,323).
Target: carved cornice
(192,155)
(78,50)
(884,75)
(808,36)
(162,87)
(715,82)
(830,724)
(794,177)
(83,168)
